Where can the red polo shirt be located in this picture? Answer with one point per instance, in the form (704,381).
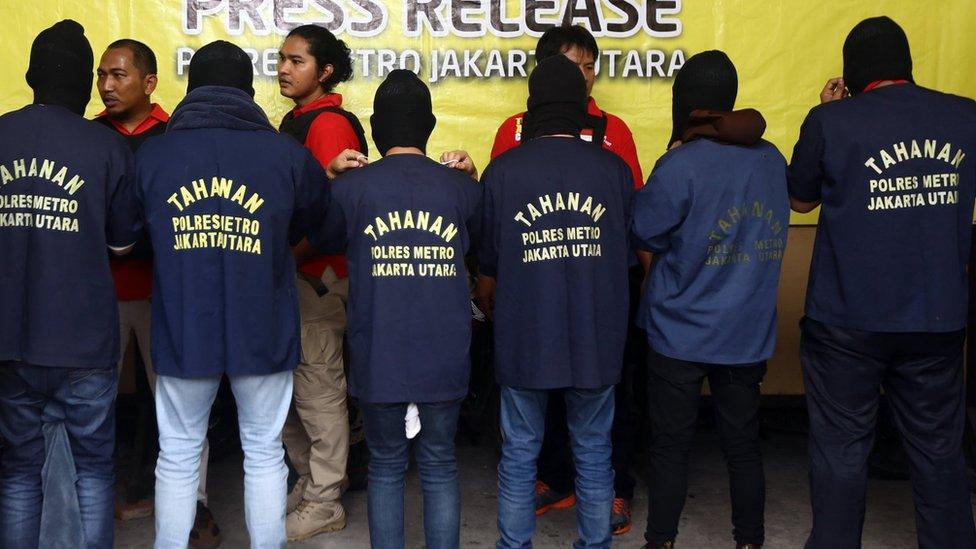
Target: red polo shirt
(156,116)
(329,135)
(618,139)
(133,276)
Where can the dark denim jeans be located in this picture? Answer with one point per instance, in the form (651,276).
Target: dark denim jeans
(34,401)
(589,415)
(389,457)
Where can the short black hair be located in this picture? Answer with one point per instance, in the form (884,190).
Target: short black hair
(327,50)
(557,40)
(142,56)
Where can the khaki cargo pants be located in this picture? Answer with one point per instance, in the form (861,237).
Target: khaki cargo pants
(316,433)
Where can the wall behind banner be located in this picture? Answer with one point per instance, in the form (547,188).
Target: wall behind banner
(474,52)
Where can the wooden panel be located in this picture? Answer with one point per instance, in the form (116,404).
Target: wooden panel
(783,376)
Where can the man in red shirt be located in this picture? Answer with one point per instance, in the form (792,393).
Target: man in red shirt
(579,46)
(126,82)
(554,489)
(316,434)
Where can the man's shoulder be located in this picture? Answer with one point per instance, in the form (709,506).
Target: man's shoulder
(91,134)
(912,104)
(272,146)
(616,124)
(957,105)
(511,120)
(704,152)
(329,119)
(510,129)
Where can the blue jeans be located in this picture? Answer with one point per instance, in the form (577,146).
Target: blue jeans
(34,400)
(182,412)
(389,457)
(589,414)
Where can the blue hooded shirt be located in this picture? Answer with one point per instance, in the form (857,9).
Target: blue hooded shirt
(65,194)
(716,217)
(895,168)
(224,195)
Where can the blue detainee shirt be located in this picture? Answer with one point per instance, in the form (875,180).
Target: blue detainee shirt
(224,195)
(896,171)
(556,213)
(716,217)
(406,223)
(65,194)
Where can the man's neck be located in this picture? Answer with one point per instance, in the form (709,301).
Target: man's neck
(76,107)
(403,150)
(319,93)
(133,118)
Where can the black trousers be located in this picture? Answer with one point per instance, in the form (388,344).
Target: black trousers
(673,393)
(921,374)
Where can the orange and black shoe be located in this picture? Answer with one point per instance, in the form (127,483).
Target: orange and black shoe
(546,499)
(620,517)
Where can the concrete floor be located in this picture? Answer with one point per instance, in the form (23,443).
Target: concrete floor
(705,524)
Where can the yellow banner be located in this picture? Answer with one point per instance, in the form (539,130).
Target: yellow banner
(475,54)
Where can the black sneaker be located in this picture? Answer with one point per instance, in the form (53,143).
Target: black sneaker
(547,498)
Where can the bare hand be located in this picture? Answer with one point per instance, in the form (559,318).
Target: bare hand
(833,90)
(460,160)
(348,159)
(484,295)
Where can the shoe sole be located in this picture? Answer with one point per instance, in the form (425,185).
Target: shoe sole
(564,503)
(334,527)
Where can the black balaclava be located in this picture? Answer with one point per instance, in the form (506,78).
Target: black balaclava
(707,81)
(61,64)
(402,113)
(557,99)
(221,63)
(876,49)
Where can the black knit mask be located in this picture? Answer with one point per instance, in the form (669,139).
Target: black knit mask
(876,49)
(707,81)
(557,99)
(221,63)
(403,115)
(61,64)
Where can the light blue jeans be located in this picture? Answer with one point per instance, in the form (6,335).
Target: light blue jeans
(589,415)
(182,412)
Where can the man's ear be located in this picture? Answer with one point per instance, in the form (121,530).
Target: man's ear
(149,84)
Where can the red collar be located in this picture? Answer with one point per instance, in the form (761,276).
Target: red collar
(156,116)
(328,100)
(877,83)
